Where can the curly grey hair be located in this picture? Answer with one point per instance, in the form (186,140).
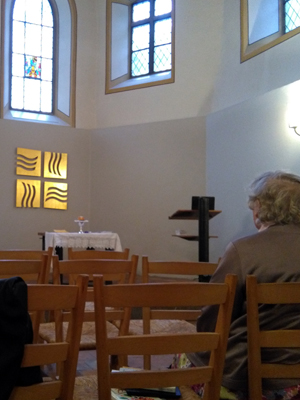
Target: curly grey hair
(278,195)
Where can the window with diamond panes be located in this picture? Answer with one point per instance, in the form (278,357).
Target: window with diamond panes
(292,14)
(151,44)
(32,56)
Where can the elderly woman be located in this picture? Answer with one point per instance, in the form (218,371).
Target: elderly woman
(273,255)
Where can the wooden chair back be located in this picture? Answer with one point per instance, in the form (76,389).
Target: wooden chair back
(170,295)
(29,255)
(116,271)
(163,269)
(31,271)
(172,319)
(56,298)
(269,293)
(97,254)
(176,268)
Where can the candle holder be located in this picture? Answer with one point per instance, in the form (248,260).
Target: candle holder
(81,223)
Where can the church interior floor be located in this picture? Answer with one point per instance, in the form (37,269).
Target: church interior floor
(87,364)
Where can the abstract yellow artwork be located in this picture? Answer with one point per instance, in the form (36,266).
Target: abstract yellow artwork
(28,193)
(56,195)
(55,165)
(28,162)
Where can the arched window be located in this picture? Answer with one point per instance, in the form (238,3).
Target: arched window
(38,60)
(32,56)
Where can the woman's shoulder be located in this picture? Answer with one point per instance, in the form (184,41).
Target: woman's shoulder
(272,230)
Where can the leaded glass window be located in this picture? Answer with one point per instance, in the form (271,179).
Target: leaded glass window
(32,56)
(151,37)
(292,14)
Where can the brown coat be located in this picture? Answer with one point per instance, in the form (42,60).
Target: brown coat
(272,255)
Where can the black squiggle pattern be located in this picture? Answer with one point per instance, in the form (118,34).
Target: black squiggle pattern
(26,163)
(28,196)
(57,194)
(54,163)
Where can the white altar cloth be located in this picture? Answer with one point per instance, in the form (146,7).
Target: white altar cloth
(97,240)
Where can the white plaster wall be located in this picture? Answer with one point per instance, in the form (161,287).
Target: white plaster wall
(142,174)
(20,226)
(237,82)
(208,73)
(87,67)
(244,141)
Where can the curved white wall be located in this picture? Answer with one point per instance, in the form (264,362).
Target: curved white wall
(208,73)
(244,141)
(237,82)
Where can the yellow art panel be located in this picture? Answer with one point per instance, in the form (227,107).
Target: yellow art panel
(55,165)
(28,162)
(56,195)
(28,194)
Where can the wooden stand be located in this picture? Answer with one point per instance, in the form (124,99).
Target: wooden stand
(202,215)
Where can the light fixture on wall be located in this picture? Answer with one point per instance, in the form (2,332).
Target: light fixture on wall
(294,125)
(294,120)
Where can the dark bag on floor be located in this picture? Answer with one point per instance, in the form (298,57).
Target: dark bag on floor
(15,332)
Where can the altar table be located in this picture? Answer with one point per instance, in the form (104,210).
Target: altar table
(97,240)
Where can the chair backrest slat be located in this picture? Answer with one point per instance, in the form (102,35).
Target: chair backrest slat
(163,344)
(112,269)
(182,377)
(46,391)
(177,268)
(97,254)
(36,355)
(214,293)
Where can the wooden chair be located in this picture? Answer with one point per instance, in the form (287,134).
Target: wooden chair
(117,271)
(157,295)
(179,268)
(269,293)
(97,254)
(29,255)
(170,320)
(57,298)
(31,271)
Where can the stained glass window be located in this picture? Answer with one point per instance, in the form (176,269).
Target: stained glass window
(292,14)
(151,37)
(32,56)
